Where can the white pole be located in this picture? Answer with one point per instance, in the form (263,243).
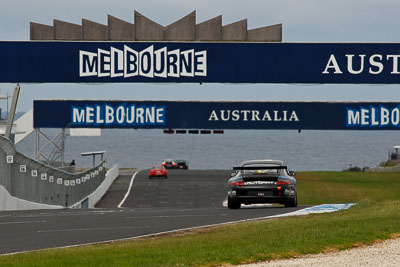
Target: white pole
(13,108)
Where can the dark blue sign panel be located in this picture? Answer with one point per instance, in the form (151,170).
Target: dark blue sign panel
(189,62)
(217,115)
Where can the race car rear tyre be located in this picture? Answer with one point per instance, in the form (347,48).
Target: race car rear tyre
(149,177)
(166,177)
(233,203)
(292,202)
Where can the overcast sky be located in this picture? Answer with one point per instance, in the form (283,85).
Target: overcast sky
(303,21)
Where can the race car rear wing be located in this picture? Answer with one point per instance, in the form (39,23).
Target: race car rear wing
(260,168)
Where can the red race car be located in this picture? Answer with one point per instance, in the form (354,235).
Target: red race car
(158,171)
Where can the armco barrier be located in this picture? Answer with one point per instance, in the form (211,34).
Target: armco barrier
(32,181)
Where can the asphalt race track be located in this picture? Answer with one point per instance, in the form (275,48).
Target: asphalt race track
(186,199)
(182,189)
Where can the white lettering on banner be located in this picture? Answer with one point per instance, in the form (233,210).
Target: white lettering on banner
(87,64)
(358,64)
(105,114)
(147,63)
(373,117)
(253,115)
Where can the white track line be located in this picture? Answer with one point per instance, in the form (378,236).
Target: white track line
(129,190)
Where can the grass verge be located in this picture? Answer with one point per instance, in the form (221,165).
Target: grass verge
(377,216)
(343,187)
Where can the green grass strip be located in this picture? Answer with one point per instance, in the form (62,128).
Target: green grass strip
(344,187)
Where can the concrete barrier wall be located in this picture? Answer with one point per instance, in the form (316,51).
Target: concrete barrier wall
(395,168)
(8,202)
(96,196)
(33,181)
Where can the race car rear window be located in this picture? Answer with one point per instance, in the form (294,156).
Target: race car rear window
(157,167)
(262,171)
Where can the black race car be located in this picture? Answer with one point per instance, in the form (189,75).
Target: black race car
(170,164)
(262,181)
(182,164)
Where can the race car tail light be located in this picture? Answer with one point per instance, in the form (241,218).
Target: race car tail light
(237,183)
(163,164)
(282,183)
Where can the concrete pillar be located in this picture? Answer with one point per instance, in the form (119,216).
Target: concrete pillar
(236,31)
(120,30)
(41,32)
(147,30)
(93,31)
(66,31)
(183,29)
(209,30)
(266,34)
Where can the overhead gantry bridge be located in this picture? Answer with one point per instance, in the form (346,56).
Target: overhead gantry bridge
(28,183)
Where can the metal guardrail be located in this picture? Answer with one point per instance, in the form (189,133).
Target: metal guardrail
(34,181)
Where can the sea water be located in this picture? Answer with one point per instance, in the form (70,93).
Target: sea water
(306,150)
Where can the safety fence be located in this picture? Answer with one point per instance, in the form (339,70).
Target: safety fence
(34,181)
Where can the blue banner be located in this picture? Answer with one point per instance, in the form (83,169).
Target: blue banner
(191,62)
(217,115)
